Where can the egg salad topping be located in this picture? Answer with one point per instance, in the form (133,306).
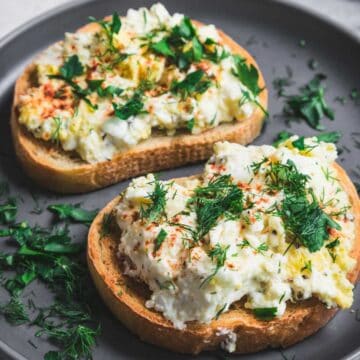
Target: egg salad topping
(263,224)
(105,89)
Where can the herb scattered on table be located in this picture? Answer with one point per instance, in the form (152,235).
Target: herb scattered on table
(52,258)
(280,83)
(73,212)
(310,104)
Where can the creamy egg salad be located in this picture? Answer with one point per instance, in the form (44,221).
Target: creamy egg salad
(265,224)
(105,89)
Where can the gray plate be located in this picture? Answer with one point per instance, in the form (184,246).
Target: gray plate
(271,31)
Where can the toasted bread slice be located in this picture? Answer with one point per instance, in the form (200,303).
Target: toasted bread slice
(64,172)
(126,299)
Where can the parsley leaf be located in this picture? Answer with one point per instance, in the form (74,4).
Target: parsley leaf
(68,71)
(329,137)
(73,212)
(111,28)
(8,211)
(310,104)
(132,107)
(281,137)
(194,83)
(162,47)
(247,74)
(72,68)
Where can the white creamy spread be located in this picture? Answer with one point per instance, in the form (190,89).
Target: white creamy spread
(52,111)
(260,265)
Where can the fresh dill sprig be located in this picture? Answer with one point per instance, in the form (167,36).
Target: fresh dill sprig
(218,254)
(305,221)
(285,177)
(219,197)
(155,211)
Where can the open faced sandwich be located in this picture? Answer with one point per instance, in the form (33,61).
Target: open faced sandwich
(128,95)
(260,250)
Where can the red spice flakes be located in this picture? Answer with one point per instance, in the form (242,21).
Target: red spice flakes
(243,186)
(49,90)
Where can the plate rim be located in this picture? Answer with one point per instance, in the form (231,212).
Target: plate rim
(13,34)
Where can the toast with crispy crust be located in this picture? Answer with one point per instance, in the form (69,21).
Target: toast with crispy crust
(126,299)
(65,172)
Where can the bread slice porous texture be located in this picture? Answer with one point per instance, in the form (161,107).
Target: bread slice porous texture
(65,172)
(126,298)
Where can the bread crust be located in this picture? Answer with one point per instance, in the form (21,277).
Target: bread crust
(126,299)
(58,170)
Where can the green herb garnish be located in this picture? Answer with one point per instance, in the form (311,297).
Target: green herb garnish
(8,211)
(161,236)
(14,312)
(247,74)
(154,211)
(280,83)
(219,197)
(329,137)
(306,222)
(310,104)
(134,106)
(194,83)
(73,213)
(265,313)
(111,28)
(68,71)
(307,266)
(218,254)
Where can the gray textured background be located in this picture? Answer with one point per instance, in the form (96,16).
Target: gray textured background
(15,12)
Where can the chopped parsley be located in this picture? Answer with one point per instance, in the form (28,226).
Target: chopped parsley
(280,83)
(8,211)
(182,45)
(134,106)
(310,104)
(247,74)
(265,313)
(111,28)
(96,85)
(195,82)
(73,212)
(68,71)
